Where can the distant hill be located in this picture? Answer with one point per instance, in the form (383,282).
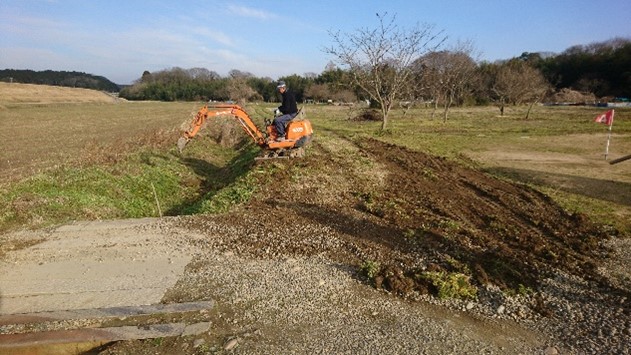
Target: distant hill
(20,94)
(58,78)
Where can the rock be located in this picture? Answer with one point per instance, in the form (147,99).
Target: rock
(551,350)
(230,344)
(470,306)
(501,309)
(194,329)
(198,342)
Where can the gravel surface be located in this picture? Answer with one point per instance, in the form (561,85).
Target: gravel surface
(271,301)
(311,305)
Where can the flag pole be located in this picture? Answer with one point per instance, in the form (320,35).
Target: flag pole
(606,118)
(608,139)
(609,135)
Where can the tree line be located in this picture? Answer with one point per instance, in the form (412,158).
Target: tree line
(201,84)
(58,78)
(441,78)
(601,68)
(392,64)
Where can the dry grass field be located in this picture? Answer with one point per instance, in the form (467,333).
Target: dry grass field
(17,94)
(43,127)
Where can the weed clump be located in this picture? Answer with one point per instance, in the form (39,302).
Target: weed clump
(370,269)
(451,285)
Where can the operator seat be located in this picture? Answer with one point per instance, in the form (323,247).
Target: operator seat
(299,113)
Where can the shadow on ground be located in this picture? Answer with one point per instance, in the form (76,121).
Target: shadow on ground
(213,178)
(607,190)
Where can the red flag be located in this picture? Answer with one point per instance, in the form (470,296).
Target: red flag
(606,118)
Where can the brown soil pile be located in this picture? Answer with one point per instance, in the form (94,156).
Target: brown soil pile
(410,213)
(504,233)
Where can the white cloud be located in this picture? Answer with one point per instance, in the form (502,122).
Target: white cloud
(216,36)
(245,11)
(37,29)
(122,54)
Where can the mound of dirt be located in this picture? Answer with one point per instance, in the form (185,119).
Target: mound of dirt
(367,115)
(570,96)
(503,233)
(410,214)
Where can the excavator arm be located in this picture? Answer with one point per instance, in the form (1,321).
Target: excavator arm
(235,111)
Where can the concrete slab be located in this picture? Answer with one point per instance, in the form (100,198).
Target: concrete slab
(93,265)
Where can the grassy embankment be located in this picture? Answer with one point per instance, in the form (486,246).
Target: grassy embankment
(118,160)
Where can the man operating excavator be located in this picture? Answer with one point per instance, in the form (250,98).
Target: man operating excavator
(288,110)
(283,137)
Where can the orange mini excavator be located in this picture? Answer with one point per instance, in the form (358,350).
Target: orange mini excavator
(298,131)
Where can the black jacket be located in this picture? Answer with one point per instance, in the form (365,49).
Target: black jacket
(289,103)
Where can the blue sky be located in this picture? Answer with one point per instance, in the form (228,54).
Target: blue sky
(121,39)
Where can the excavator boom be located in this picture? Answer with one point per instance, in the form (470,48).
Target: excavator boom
(219,110)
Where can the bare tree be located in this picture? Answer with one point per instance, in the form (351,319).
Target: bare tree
(447,75)
(238,74)
(379,59)
(537,87)
(516,82)
(318,92)
(203,74)
(239,91)
(344,96)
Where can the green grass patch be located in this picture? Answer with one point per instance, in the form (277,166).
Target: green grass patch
(370,269)
(144,184)
(238,183)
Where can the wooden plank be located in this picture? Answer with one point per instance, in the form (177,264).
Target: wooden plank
(61,341)
(621,159)
(103,313)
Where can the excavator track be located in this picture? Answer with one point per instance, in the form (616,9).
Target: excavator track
(282,154)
